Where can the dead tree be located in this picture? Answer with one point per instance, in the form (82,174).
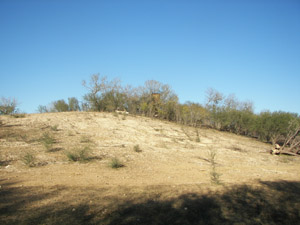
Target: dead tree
(292,142)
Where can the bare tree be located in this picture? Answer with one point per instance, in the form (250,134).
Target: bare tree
(104,95)
(292,141)
(8,106)
(213,97)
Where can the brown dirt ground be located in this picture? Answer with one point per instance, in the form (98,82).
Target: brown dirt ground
(172,168)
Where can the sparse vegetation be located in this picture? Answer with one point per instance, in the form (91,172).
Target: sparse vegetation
(186,133)
(19,115)
(161,183)
(137,148)
(197,136)
(29,159)
(79,155)
(8,106)
(115,163)
(47,141)
(237,148)
(85,139)
(54,127)
(214,175)
(225,113)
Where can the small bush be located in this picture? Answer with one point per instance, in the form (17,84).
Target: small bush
(186,133)
(237,148)
(115,163)
(8,106)
(47,141)
(79,155)
(197,136)
(137,148)
(85,139)
(19,115)
(55,127)
(214,175)
(29,159)
(212,157)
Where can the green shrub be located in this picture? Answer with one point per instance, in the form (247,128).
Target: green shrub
(60,106)
(29,159)
(79,155)
(54,127)
(214,175)
(47,141)
(115,163)
(137,148)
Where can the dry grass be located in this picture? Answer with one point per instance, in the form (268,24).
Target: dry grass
(170,182)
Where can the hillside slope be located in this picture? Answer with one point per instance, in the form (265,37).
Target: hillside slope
(160,159)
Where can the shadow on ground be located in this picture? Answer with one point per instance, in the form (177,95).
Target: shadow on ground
(268,203)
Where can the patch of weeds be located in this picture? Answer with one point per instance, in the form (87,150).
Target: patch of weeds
(19,115)
(29,160)
(24,137)
(237,148)
(116,114)
(186,133)
(137,148)
(212,156)
(85,139)
(47,141)
(197,136)
(3,162)
(54,127)
(115,163)
(214,175)
(79,155)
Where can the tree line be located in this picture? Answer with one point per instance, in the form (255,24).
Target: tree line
(154,99)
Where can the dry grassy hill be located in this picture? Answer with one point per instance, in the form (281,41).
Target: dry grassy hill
(171,174)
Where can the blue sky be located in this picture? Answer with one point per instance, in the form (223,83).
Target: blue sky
(249,48)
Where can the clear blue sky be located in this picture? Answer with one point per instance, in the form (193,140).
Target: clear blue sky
(247,47)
